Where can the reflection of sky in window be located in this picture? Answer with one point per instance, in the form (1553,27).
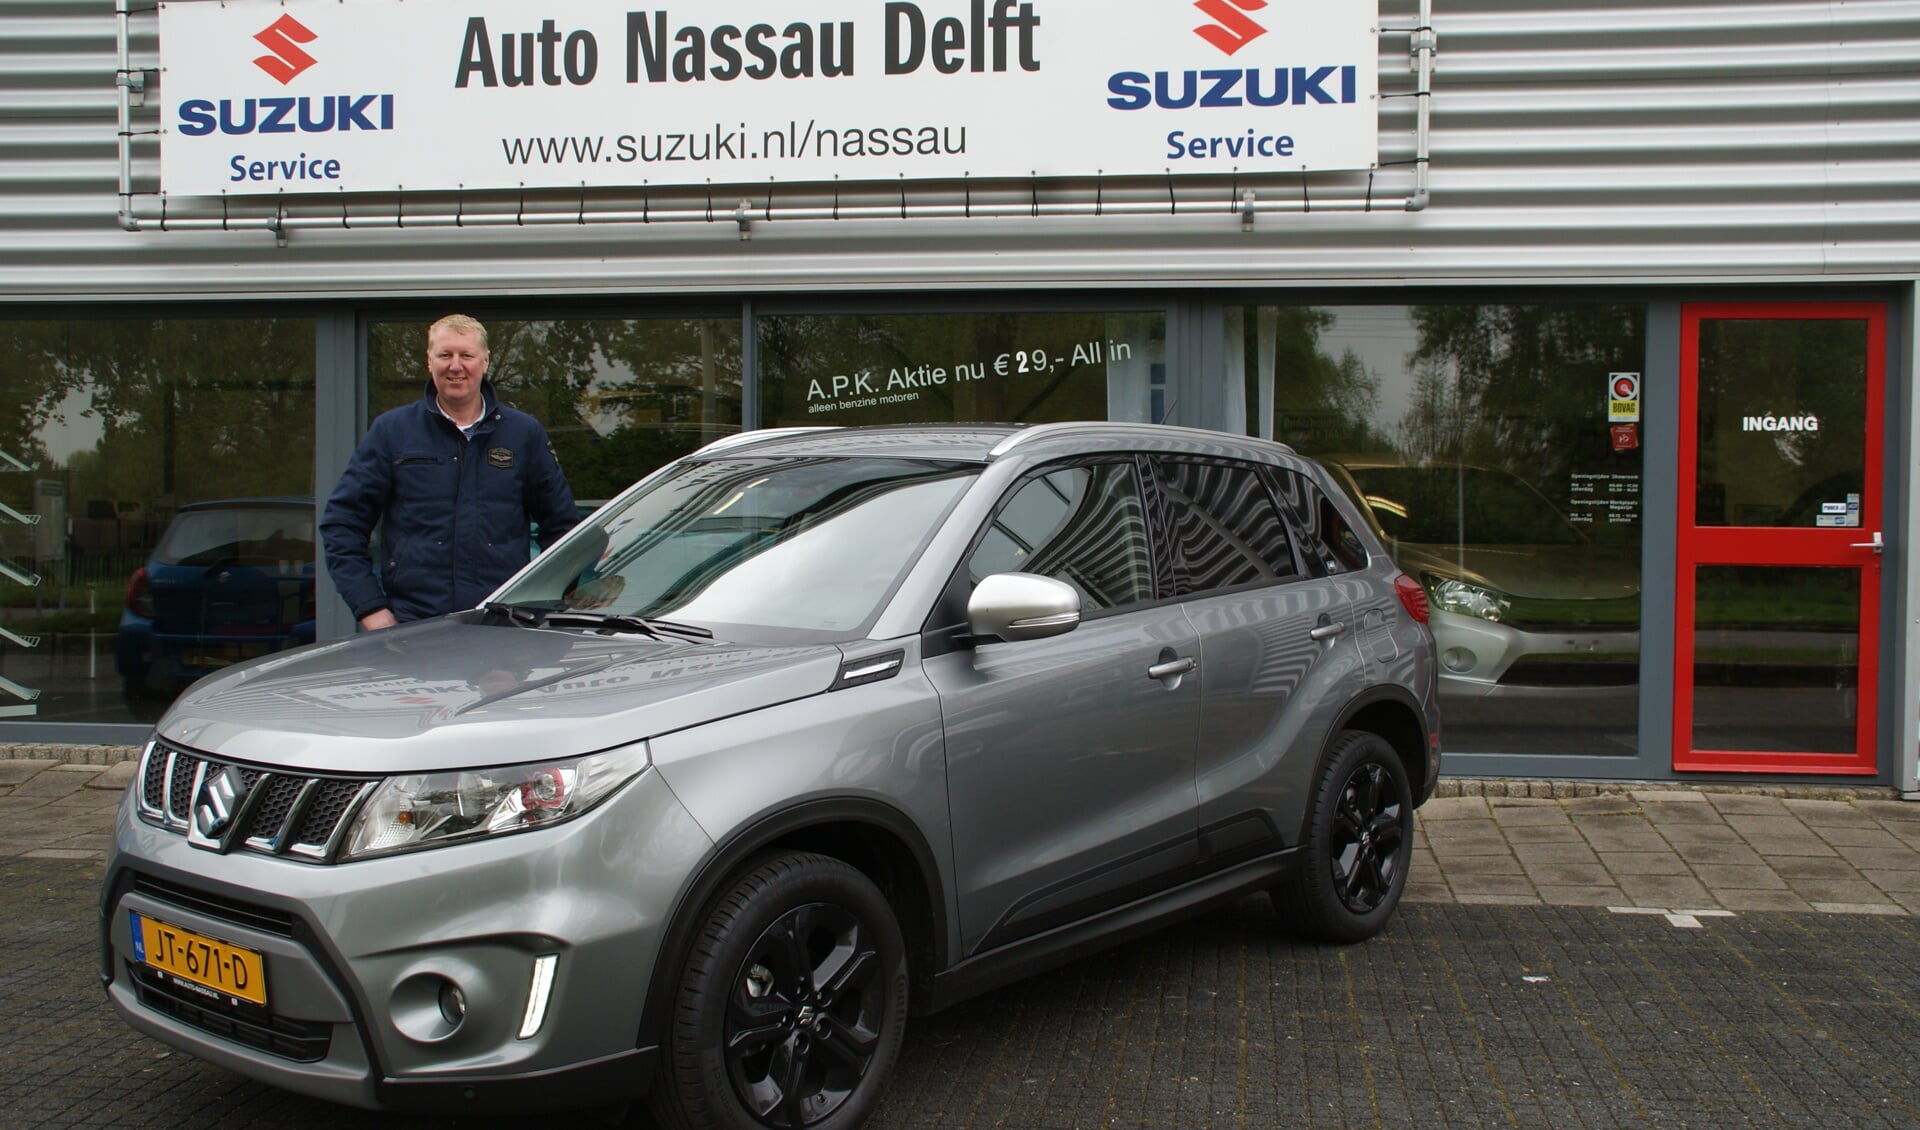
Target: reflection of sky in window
(71,430)
(832,574)
(1383,337)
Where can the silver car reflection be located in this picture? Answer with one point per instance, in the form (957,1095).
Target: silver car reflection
(1525,603)
(802,733)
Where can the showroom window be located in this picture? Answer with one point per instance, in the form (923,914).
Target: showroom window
(144,539)
(618,397)
(1480,442)
(1028,368)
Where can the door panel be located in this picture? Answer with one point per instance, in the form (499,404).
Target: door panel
(1257,604)
(1777,609)
(1069,764)
(1070,771)
(1267,679)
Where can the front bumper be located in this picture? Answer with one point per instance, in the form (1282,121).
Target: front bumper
(1483,659)
(357,957)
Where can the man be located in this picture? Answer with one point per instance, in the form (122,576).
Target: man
(458,477)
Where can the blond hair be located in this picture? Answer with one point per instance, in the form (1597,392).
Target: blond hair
(459,323)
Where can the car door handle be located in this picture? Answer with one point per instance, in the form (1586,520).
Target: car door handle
(1171,668)
(1327,631)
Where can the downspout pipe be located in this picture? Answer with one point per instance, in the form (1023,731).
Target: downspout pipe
(1425,43)
(123,80)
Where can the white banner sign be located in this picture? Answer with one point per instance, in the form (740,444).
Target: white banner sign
(268,96)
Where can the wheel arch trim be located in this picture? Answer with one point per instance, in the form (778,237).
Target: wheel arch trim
(1413,730)
(732,854)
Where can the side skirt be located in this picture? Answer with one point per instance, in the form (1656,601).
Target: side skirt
(1017,960)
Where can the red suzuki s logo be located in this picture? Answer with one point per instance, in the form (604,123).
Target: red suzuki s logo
(282,38)
(1231,28)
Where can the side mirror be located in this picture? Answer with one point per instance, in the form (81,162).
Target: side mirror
(1022,606)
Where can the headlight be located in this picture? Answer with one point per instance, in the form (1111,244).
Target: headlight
(1463,599)
(434,809)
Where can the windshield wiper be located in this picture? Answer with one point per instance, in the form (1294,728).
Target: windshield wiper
(674,627)
(622,622)
(530,615)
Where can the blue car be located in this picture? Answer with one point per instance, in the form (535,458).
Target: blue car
(230,580)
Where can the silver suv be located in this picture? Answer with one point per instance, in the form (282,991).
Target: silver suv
(804,731)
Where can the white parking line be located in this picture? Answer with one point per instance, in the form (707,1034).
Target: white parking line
(1683,919)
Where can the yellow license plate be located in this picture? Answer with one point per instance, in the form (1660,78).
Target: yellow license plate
(223,967)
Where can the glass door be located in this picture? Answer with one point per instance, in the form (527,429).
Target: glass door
(1777,606)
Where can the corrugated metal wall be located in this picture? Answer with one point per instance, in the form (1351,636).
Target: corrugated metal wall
(1580,142)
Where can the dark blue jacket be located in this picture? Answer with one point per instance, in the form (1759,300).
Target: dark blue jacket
(457,510)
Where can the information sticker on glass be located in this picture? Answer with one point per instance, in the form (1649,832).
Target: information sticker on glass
(1839,513)
(1623,398)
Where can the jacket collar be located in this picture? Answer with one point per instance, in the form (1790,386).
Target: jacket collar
(489,401)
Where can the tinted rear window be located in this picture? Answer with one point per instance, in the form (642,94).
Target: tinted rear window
(257,536)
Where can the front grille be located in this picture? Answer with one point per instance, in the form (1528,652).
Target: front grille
(256,1027)
(297,815)
(260,918)
(1573,671)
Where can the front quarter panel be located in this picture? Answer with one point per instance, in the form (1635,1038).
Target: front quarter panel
(879,743)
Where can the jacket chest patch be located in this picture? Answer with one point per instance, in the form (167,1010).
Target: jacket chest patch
(500,457)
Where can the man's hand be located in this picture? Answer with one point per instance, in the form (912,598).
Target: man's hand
(374,621)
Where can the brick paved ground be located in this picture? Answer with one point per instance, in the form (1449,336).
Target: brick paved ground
(1673,849)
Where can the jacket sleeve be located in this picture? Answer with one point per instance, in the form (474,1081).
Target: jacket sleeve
(549,500)
(346,529)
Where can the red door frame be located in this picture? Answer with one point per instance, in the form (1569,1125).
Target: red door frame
(1735,545)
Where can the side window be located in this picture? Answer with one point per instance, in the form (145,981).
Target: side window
(1083,525)
(1328,537)
(1225,527)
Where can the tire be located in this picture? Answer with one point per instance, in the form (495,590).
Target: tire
(1358,844)
(791,1008)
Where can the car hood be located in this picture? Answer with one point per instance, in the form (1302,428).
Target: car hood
(446,694)
(1534,572)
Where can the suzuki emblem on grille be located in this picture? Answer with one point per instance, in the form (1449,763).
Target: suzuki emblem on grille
(218,802)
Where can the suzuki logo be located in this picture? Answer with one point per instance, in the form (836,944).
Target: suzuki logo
(218,802)
(287,60)
(1231,28)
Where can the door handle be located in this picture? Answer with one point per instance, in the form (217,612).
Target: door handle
(1876,544)
(1171,668)
(1327,631)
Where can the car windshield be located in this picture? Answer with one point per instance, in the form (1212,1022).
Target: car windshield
(807,545)
(238,535)
(1424,505)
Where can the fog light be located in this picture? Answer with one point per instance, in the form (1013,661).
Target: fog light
(429,1006)
(1459,660)
(453,1003)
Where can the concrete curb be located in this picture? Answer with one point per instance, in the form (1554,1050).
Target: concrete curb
(70,754)
(1564,790)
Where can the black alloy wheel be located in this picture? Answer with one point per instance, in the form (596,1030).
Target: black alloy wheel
(1358,844)
(793,1005)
